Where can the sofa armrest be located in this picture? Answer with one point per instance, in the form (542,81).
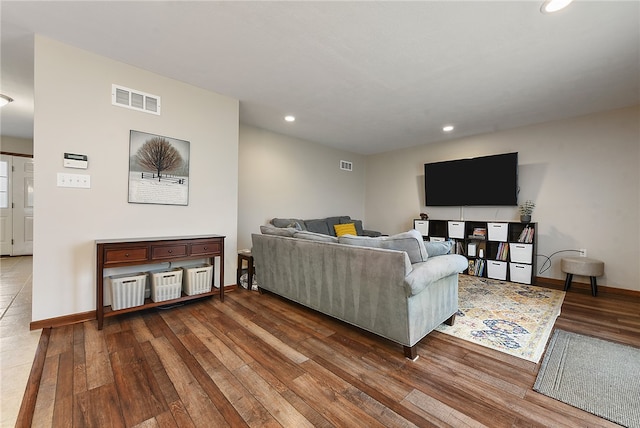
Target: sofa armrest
(435,268)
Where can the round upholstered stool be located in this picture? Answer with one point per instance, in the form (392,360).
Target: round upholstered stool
(582,266)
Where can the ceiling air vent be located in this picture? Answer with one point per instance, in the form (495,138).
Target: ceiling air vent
(346,165)
(134,99)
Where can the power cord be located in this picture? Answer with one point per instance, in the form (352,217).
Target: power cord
(543,269)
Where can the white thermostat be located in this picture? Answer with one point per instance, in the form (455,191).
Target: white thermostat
(72,160)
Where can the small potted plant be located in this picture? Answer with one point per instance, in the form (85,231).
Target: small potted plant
(525,211)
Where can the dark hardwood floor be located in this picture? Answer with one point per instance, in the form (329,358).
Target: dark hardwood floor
(258,360)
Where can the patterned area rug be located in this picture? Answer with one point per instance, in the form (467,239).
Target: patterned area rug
(516,319)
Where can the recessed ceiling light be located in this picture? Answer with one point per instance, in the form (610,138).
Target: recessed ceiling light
(447,128)
(290,118)
(550,6)
(4,100)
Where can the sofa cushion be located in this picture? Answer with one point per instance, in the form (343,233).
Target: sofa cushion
(410,242)
(331,222)
(345,229)
(313,236)
(318,226)
(288,222)
(438,248)
(269,229)
(360,241)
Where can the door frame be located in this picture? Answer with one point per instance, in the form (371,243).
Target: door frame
(12,202)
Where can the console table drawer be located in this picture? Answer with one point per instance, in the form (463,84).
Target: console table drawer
(204,248)
(134,254)
(168,251)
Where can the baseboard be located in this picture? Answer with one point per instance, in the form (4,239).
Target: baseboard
(559,285)
(63,320)
(80,317)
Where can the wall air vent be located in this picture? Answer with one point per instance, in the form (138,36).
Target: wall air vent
(134,99)
(346,165)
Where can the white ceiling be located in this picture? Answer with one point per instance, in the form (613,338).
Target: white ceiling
(367,77)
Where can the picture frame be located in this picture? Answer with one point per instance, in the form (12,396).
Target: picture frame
(158,169)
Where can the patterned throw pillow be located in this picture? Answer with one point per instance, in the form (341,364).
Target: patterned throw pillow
(345,229)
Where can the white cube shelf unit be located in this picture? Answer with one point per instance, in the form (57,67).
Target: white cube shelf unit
(501,250)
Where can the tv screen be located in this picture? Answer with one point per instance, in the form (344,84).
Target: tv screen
(487,180)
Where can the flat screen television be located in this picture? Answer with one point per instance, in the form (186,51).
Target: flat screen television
(481,181)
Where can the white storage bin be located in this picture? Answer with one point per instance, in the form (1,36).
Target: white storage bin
(437,239)
(421,226)
(456,229)
(497,231)
(497,269)
(127,290)
(520,253)
(166,284)
(519,272)
(197,279)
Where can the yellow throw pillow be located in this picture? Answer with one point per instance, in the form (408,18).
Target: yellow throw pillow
(345,229)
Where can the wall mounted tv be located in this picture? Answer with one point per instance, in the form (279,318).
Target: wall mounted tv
(482,181)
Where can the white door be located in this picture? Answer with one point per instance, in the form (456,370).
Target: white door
(16,205)
(6,217)
(22,190)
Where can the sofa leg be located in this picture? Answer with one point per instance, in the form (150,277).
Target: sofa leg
(411,352)
(451,320)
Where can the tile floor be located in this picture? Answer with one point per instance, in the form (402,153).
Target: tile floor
(17,343)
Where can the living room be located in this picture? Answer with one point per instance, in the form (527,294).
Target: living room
(582,172)
(557,164)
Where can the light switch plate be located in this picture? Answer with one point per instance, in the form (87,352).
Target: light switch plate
(82,181)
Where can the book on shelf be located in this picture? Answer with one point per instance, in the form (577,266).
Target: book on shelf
(479,232)
(476,267)
(526,236)
(503,251)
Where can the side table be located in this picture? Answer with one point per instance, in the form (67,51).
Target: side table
(248,257)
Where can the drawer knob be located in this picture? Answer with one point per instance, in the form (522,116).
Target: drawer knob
(126,254)
(206,248)
(170,251)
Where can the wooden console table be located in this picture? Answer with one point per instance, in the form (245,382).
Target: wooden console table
(131,252)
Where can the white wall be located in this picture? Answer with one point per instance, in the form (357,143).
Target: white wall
(23,146)
(73,113)
(281,176)
(583,174)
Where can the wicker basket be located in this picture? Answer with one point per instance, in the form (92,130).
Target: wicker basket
(197,279)
(127,290)
(166,284)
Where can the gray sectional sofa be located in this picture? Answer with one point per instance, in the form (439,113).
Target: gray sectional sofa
(397,287)
(324,226)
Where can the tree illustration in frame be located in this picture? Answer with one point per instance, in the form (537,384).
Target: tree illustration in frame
(158,169)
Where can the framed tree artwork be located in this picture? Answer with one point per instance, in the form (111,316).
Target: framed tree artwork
(158,169)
